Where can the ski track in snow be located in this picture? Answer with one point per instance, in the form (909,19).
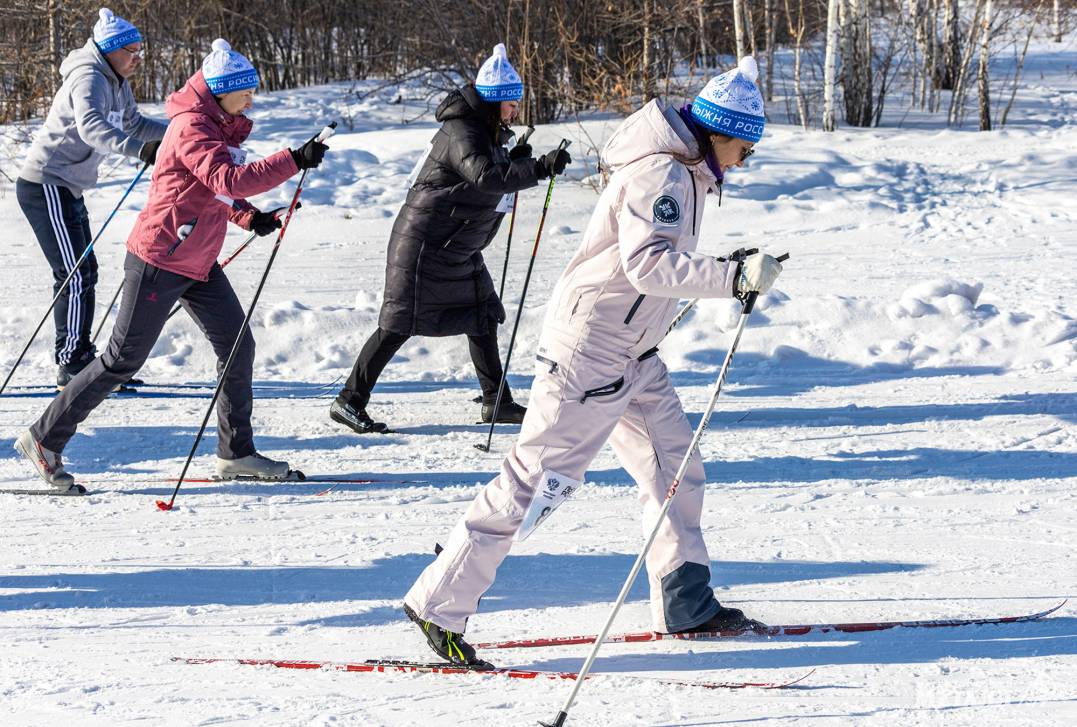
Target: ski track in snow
(897,441)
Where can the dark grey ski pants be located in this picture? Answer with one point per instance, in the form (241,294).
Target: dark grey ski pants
(148,295)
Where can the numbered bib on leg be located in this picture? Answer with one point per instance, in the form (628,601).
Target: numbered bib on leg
(555,489)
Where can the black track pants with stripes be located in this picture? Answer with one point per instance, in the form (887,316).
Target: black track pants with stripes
(62,228)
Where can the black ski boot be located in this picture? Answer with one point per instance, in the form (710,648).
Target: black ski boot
(448,645)
(508,413)
(727,619)
(355,419)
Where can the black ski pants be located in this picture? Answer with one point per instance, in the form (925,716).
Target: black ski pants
(62,228)
(383,345)
(149,293)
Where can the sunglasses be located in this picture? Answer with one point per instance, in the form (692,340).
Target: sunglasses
(745,153)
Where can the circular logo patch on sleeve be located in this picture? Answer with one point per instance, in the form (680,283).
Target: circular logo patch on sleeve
(666,210)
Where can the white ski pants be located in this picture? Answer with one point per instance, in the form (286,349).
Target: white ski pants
(572,412)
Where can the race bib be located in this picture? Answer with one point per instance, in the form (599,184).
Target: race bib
(505,205)
(239,156)
(115,120)
(555,490)
(419,165)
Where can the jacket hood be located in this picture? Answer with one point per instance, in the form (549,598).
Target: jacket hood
(194,97)
(655,129)
(85,59)
(463,103)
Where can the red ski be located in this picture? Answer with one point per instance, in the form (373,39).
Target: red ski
(383,666)
(791,630)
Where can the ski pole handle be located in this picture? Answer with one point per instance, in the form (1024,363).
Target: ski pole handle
(750,298)
(527,135)
(326,132)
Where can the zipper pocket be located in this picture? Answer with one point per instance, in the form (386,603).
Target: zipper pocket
(607,390)
(182,234)
(634,308)
(549,362)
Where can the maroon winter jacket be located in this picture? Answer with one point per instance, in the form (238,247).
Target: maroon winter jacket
(198,186)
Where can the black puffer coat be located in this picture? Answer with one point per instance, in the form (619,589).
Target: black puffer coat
(436,282)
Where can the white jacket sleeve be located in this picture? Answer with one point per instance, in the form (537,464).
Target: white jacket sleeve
(89,94)
(650,228)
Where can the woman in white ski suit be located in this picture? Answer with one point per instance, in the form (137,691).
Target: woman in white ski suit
(598,378)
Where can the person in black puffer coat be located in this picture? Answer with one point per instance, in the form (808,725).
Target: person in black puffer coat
(436,281)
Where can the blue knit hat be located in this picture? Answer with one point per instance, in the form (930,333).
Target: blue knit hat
(226,71)
(731,104)
(497,79)
(111,32)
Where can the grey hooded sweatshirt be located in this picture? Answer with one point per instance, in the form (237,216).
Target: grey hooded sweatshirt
(94,114)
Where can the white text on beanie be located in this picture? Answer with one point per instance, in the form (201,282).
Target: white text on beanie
(497,79)
(111,32)
(225,70)
(731,104)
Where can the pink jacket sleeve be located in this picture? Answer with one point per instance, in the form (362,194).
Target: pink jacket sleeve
(201,149)
(242,214)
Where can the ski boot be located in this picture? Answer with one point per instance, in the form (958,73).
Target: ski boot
(447,644)
(256,467)
(727,619)
(508,413)
(355,419)
(48,464)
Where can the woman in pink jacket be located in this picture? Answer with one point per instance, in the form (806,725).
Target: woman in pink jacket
(200,183)
(599,377)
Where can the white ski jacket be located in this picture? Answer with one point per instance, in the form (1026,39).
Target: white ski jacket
(619,294)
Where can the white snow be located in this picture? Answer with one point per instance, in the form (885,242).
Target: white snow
(897,441)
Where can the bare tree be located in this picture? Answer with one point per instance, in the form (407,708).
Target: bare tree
(1058,23)
(856,63)
(738,27)
(951,47)
(768,47)
(983,83)
(830,76)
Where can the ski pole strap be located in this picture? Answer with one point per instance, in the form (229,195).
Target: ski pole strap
(748,299)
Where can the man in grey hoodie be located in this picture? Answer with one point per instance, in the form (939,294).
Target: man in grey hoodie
(93,114)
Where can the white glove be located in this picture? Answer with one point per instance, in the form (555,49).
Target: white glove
(758,273)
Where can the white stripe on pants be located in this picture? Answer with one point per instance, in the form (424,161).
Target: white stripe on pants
(67,252)
(648,430)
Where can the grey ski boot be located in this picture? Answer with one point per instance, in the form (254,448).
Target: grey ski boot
(256,467)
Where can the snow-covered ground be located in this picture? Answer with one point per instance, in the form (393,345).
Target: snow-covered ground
(897,441)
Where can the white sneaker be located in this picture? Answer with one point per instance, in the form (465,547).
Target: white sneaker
(49,465)
(252,467)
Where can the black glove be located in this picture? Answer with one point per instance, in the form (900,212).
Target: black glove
(309,155)
(520,151)
(148,152)
(552,162)
(265,223)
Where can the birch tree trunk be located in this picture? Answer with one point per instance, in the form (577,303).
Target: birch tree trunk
(982,79)
(1058,23)
(56,51)
(702,20)
(738,27)
(856,64)
(951,47)
(768,39)
(830,76)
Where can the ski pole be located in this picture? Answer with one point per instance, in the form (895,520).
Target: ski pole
(161,504)
(691,304)
(512,221)
(71,274)
(104,318)
(243,246)
(748,302)
(519,310)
